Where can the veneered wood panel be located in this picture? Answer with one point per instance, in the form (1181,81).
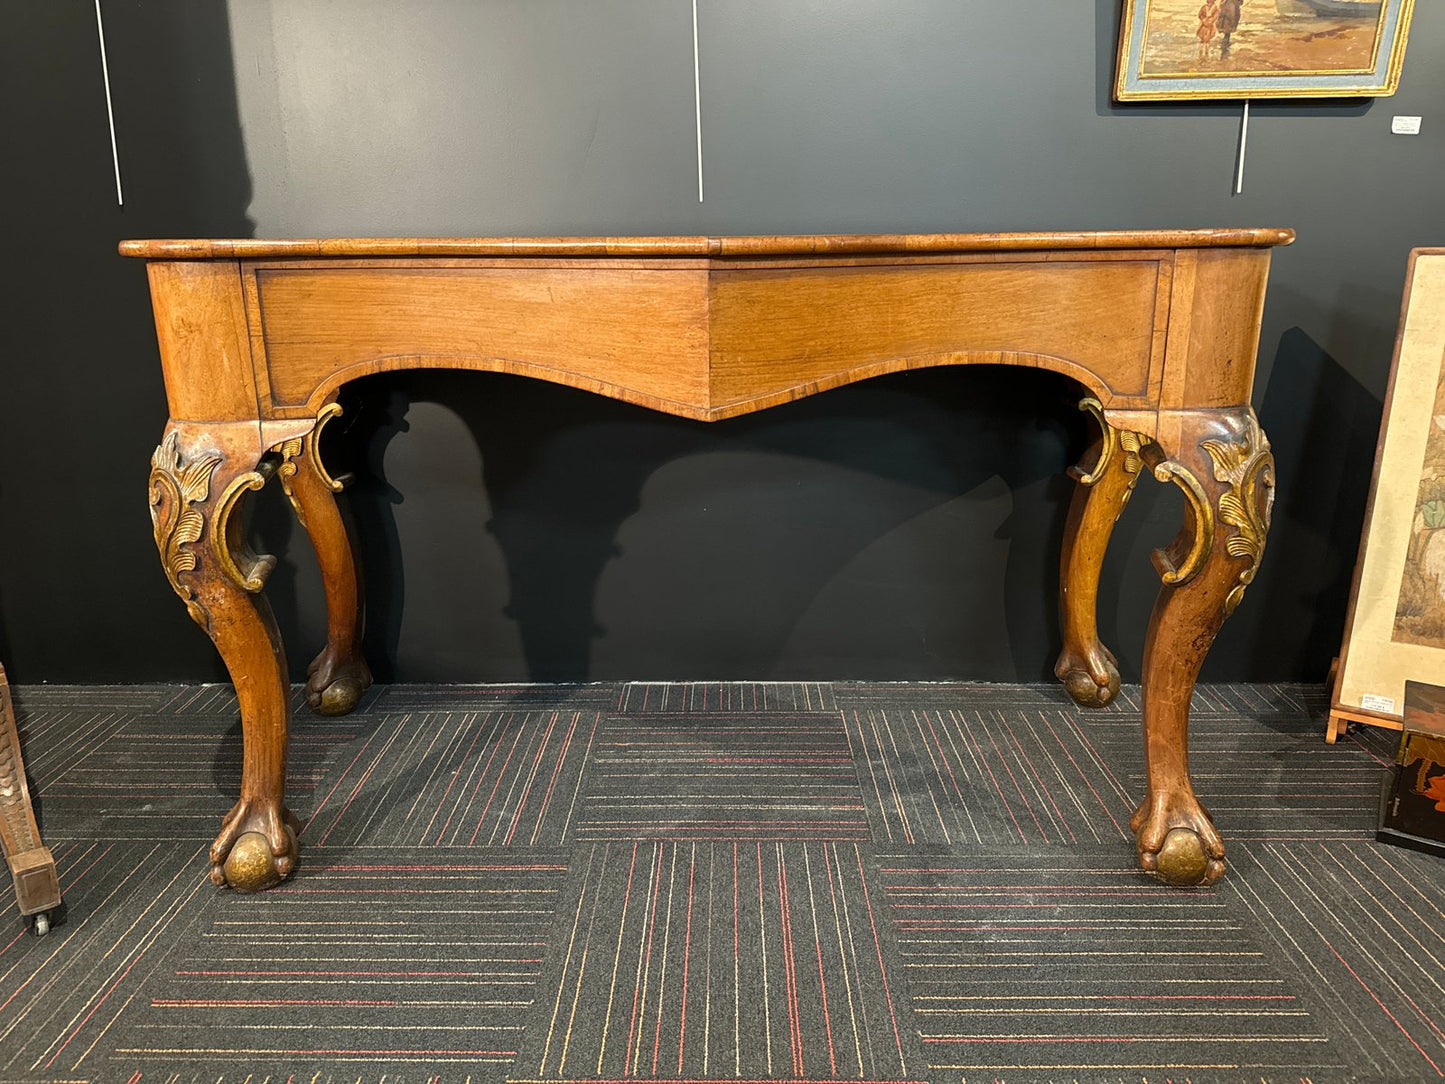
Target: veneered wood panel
(205,350)
(778,329)
(1214,328)
(604,329)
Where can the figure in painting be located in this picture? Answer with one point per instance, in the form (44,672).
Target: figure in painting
(1266,38)
(1229,15)
(1208,26)
(1420,612)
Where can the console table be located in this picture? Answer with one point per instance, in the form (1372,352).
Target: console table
(1160,329)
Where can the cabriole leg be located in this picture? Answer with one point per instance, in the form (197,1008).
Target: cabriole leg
(1087,668)
(339,675)
(1222,463)
(199,477)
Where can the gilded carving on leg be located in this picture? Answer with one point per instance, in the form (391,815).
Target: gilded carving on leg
(313,447)
(1095,409)
(1133,445)
(309,446)
(1247,465)
(291,452)
(1115,441)
(1181,561)
(248,569)
(174,488)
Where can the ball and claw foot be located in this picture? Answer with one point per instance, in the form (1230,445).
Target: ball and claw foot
(256,849)
(1177,842)
(1092,680)
(334,686)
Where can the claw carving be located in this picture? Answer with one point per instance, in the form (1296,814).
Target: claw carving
(257,847)
(1177,840)
(334,684)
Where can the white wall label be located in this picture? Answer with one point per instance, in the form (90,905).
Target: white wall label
(1371,702)
(1405,126)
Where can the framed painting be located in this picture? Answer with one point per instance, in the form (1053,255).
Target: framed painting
(1190,49)
(1395,630)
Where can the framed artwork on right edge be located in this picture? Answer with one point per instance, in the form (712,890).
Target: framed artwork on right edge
(1191,49)
(1395,629)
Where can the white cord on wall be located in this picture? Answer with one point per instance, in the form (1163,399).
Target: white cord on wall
(696,98)
(1243,143)
(109,112)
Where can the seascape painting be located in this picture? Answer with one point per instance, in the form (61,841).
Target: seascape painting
(1261,48)
(1420,611)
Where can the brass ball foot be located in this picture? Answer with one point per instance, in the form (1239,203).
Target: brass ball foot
(1086,692)
(250,867)
(1181,861)
(340,697)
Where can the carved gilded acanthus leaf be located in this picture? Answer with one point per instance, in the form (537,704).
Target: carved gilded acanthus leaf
(174,488)
(290,456)
(1247,465)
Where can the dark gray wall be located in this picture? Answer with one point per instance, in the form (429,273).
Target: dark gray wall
(902,528)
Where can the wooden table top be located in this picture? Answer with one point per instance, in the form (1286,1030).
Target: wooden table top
(786,245)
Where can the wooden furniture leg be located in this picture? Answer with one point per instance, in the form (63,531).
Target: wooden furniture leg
(339,675)
(1221,461)
(199,477)
(1087,668)
(32,867)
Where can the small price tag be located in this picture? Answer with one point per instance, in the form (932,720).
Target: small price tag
(1371,702)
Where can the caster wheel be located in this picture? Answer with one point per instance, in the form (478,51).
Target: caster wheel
(41,924)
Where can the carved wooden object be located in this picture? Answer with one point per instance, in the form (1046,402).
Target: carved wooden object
(32,867)
(1160,329)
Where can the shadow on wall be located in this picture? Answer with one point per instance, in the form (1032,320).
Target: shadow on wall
(90,378)
(1322,424)
(774,545)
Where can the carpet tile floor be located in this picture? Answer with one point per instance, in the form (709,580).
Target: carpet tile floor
(739,882)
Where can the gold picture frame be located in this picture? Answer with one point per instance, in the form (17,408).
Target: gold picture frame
(1395,627)
(1244,49)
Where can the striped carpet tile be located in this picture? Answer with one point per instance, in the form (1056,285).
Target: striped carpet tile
(723,776)
(1363,923)
(706,960)
(966,777)
(214,700)
(394,698)
(675,697)
(493,877)
(1069,966)
(110,786)
(1262,775)
(393,964)
(61,996)
(456,779)
(940,772)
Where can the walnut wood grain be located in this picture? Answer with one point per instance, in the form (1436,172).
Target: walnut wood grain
(783,245)
(1112,468)
(339,675)
(1159,327)
(1221,460)
(200,477)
